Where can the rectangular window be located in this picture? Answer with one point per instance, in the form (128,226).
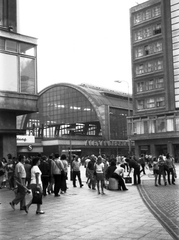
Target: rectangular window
(152,126)
(160,102)
(9,72)
(2,44)
(140,104)
(27,75)
(170,125)
(140,87)
(150,103)
(11,46)
(159,83)
(177,123)
(161,125)
(27,49)
(151,84)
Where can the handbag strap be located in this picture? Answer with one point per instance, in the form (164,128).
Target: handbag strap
(58,166)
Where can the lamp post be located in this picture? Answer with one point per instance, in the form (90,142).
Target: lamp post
(70,133)
(128,106)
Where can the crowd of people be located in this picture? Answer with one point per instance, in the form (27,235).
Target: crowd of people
(48,175)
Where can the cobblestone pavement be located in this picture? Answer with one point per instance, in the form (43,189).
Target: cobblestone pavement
(163,201)
(82,214)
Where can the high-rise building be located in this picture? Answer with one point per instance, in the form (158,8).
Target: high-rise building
(154,125)
(18,76)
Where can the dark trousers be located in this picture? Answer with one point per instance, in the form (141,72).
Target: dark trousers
(45,180)
(57,183)
(20,197)
(76,174)
(143,168)
(120,180)
(63,182)
(137,175)
(170,170)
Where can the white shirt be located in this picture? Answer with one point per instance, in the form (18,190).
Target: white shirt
(35,169)
(19,169)
(99,167)
(120,171)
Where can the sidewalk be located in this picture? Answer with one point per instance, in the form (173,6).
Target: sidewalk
(84,215)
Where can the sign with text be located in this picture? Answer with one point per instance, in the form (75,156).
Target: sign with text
(25,139)
(111,143)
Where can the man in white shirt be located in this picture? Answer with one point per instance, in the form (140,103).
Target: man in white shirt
(20,176)
(118,175)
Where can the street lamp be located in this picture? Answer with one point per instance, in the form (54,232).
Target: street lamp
(128,106)
(71,130)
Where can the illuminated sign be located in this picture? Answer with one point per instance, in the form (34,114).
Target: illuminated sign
(25,139)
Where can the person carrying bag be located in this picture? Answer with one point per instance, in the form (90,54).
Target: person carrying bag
(36,186)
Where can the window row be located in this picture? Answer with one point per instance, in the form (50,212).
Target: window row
(158,125)
(149,85)
(45,131)
(147,32)
(149,103)
(148,49)
(146,15)
(149,67)
(17,47)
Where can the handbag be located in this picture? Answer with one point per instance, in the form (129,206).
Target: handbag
(128,179)
(37,196)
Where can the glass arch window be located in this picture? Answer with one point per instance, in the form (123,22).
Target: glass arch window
(61,108)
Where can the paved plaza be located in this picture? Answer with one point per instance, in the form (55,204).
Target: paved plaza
(82,214)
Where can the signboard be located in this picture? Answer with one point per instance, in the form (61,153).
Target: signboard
(25,139)
(111,143)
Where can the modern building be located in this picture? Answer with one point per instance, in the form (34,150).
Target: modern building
(81,119)
(154,125)
(18,78)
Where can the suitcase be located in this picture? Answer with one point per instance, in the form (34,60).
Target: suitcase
(128,180)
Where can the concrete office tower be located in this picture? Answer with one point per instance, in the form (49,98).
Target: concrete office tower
(154,125)
(18,77)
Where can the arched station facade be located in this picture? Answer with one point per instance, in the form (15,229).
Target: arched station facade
(81,119)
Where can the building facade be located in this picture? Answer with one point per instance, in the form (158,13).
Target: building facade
(82,119)
(154,125)
(18,78)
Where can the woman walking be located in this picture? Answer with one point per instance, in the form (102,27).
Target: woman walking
(36,185)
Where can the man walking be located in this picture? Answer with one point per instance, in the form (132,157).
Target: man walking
(20,177)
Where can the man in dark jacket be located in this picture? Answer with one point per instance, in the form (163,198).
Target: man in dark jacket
(134,164)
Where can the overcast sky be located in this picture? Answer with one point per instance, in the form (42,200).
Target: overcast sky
(80,41)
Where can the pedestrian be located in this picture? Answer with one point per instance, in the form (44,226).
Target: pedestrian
(36,185)
(142,163)
(161,163)
(2,173)
(99,171)
(118,174)
(155,170)
(170,165)
(20,177)
(64,174)
(133,164)
(27,167)
(91,169)
(45,170)
(76,171)
(10,167)
(56,169)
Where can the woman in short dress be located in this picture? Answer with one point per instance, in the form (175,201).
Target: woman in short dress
(99,171)
(35,183)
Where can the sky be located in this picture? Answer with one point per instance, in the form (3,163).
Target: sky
(80,41)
